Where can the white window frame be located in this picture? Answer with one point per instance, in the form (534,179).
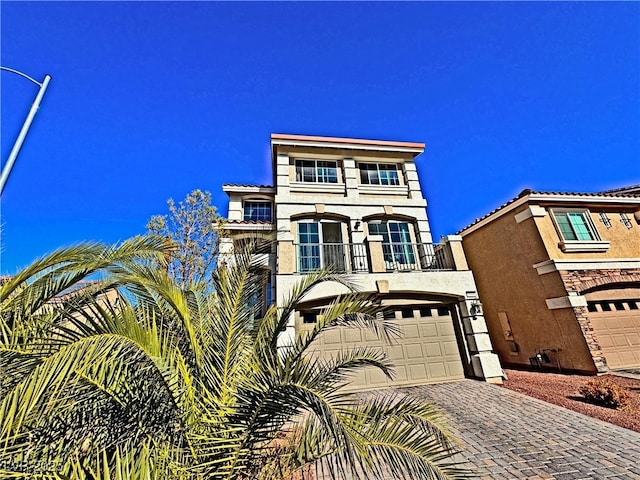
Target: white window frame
(400,252)
(395,181)
(569,213)
(577,244)
(317,170)
(306,253)
(257,201)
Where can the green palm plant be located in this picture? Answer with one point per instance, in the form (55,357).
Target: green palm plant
(136,377)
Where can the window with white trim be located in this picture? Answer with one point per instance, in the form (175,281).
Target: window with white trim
(379,174)
(396,242)
(575,225)
(316,171)
(257,211)
(320,246)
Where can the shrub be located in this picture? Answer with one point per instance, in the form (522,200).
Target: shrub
(604,393)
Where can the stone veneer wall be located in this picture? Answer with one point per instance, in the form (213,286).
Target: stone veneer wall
(579,281)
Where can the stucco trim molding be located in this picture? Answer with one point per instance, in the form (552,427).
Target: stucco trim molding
(584,246)
(532,211)
(383,189)
(556,265)
(248,226)
(569,301)
(229,188)
(317,187)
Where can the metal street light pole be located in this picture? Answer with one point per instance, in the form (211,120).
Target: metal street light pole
(25,126)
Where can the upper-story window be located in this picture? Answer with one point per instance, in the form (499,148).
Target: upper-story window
(379,174)
(575,225)
(316,171)
(257,211)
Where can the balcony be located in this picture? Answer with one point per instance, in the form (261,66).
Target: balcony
(373,257)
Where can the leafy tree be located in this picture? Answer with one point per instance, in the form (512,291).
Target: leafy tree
(192,226)
(135,377)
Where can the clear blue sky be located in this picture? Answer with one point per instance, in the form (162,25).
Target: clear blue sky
(152,100)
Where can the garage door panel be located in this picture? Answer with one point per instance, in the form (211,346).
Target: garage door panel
(417,372)
(620,340)
(627,357)
(370,336)
(375,378)
(450,348)
(628,322)
(332,337)
(446,329)
(413,351)
(437,370)
(429,330)
(612,322)
(432,349)
(618,334)
(606,341)
(401,374)
(455,368)
(395,352)
(353,335)
(410,331)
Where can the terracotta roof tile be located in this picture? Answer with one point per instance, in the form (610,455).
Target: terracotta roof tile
(623,189)
(248,222)
(245,185)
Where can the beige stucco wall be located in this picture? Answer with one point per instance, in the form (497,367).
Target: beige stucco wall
(501,255)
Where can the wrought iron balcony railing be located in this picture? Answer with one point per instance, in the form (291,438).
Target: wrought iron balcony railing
(338,257)
(356,257)
(416,256)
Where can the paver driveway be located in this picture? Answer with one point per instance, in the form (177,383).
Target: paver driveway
(507,435)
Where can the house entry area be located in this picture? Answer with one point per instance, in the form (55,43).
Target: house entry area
(426,353)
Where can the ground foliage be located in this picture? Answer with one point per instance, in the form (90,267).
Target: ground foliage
(564,390)
(136,377)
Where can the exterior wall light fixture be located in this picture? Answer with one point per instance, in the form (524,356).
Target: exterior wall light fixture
(476,308)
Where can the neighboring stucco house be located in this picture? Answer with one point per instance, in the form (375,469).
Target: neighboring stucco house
(559,278)
(356,206)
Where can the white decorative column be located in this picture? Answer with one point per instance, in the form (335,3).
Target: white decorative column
(485,363)
(350,177)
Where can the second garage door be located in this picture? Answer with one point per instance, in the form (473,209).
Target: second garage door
(616,326)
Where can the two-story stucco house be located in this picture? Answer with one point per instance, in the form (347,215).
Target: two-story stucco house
(356,206)
(559,278)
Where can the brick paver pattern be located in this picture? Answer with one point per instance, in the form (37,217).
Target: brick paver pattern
(507,435)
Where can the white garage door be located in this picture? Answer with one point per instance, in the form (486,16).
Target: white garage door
(427,353)
(616,326)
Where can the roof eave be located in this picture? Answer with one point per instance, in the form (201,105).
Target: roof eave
(263,189)
(279,139)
